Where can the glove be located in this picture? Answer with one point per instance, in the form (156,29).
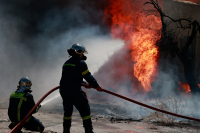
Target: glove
(86,85)
(99,88)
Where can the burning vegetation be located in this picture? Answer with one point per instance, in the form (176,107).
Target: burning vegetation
(185,87)
(149,39)
(140,33)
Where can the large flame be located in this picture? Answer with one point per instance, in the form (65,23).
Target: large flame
(140,33)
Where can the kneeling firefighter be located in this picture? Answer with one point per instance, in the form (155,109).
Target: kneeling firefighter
(21,103)
(73,72)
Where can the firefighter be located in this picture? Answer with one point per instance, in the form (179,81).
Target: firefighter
(73,72)
(21,103)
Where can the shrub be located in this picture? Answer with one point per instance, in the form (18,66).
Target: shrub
(171,104)
(3,98)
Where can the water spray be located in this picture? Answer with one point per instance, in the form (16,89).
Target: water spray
(43,103)
(109,92)
(32,110)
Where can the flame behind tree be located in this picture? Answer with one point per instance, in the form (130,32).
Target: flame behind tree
(140,33)
(168,44)
(185,87)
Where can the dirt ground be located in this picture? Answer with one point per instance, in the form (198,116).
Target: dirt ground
(53,124)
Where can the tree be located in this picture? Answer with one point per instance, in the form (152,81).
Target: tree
(168,43)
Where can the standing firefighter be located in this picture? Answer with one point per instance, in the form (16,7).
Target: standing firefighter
(74,70)
(21,103)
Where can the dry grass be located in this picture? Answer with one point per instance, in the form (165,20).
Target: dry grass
(3,98)
(172,104)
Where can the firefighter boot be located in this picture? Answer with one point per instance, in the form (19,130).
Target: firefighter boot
(66,130)
(11,126)
(89,129)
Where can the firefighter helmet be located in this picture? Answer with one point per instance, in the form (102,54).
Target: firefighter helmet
(77,49)
(24,84)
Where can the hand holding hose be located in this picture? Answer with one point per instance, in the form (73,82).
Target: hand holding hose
(87,86)
(99,89)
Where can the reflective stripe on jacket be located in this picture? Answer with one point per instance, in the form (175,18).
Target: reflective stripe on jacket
(73,72)
(19,106)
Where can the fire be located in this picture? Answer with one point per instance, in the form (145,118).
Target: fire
(140,33)
(185,87)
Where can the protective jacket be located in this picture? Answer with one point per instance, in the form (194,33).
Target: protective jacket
(74,70)
(20,105)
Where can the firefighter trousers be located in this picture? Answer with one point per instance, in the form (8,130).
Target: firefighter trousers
(33,125)
(80,101)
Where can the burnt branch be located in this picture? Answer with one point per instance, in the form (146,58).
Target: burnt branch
(195,29)
(169,39)
(158,8)
(167,42)
(162,15)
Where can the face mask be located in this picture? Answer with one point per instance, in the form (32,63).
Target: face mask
(23,88)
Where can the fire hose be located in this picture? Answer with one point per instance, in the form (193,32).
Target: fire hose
(32,110)
(109,92)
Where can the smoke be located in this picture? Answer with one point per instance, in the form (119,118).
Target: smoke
(118,75)
(35,36)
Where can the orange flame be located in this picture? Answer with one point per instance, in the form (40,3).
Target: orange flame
(140,33)
(185,87)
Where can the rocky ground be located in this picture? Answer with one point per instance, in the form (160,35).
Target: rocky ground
(52,120)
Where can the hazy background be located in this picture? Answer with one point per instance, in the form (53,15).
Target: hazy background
(35,36)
